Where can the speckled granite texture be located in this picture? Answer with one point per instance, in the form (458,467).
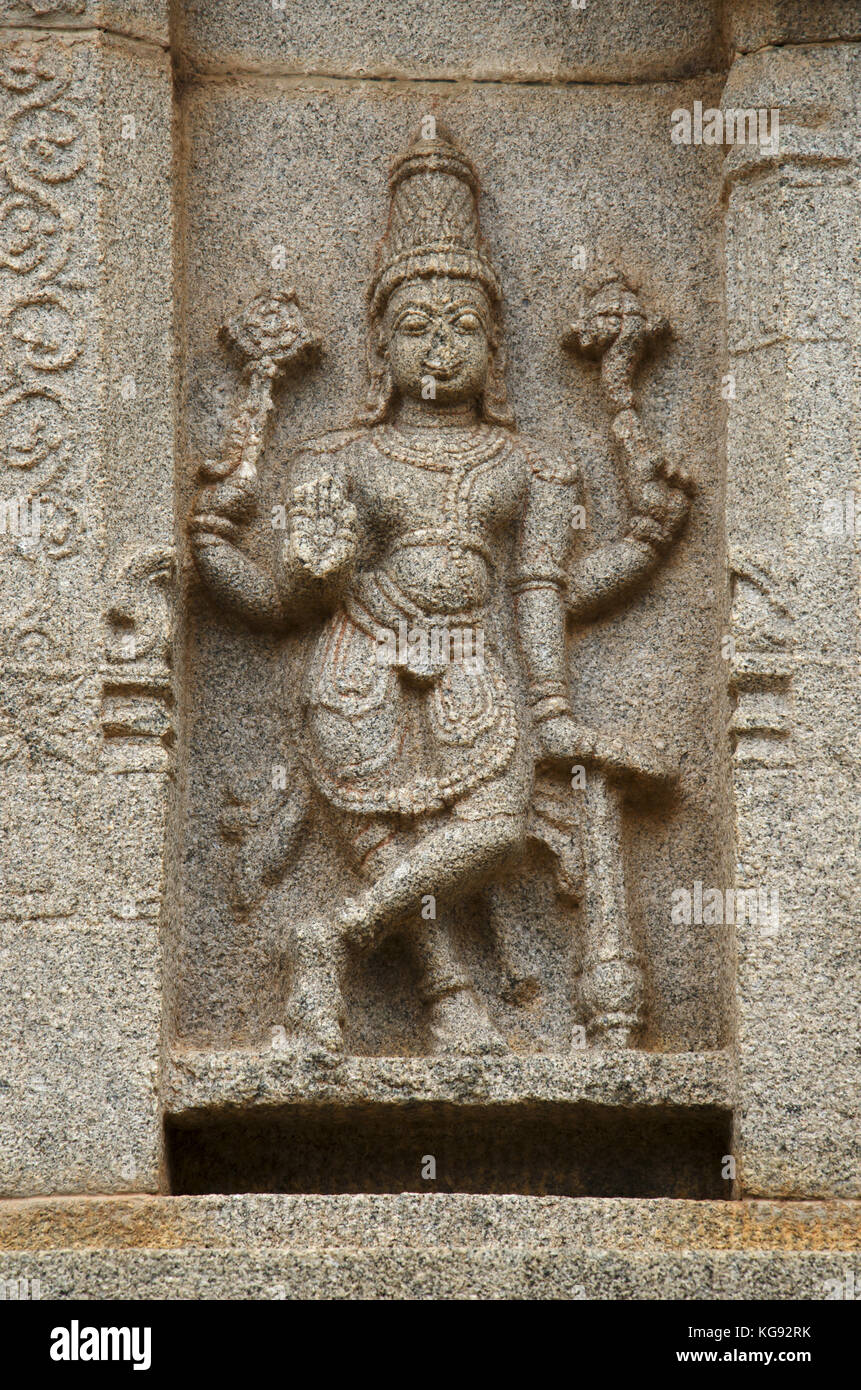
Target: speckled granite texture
(429,630)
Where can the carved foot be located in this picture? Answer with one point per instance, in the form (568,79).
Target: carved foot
(460,1024)
(314,1013)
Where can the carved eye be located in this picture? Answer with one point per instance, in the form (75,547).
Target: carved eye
(413,321)
(467,322)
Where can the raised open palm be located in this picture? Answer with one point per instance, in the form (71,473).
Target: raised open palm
(323,534)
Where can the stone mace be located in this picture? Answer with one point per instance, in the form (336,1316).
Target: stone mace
(270,336)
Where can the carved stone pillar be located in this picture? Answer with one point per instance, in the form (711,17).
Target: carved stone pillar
(792,322)
(86,424)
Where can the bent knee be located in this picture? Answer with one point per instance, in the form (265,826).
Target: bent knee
(504,833)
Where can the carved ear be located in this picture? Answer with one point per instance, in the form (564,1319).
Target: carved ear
(495,406)
(381,386)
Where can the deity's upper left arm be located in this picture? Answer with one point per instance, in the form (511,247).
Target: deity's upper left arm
(546,534)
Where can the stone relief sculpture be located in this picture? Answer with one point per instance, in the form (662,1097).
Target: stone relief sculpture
(430,553)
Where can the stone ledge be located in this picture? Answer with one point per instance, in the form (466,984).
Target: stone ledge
(440,1274)
(135,19)
(198,1082)
(429,1247)
(544,41)
(424,1221)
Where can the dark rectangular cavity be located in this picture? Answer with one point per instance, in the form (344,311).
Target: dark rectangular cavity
(542,1149)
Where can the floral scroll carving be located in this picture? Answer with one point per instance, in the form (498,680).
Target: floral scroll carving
(43,299)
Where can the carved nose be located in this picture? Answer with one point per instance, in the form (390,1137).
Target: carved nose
(441,351)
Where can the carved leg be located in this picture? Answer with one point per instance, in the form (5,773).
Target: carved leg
(612,980)
(457,856)
(314,1012)
(458,1022)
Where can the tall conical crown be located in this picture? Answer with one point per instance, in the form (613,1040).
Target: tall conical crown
(433,224)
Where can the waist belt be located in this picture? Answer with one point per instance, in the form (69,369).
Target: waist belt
(452,537)
(377,604)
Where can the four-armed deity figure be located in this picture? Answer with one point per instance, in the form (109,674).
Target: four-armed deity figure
(434,514)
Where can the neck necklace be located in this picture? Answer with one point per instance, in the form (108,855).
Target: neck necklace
(445,449)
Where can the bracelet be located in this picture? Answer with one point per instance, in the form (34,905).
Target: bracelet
(550,708)
(543,690)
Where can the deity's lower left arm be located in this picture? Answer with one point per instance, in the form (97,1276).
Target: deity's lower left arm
(540,613)
(540,580)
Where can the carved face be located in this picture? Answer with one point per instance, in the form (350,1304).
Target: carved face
(435,334)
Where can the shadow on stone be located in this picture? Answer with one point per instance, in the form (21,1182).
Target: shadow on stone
(542,1149)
